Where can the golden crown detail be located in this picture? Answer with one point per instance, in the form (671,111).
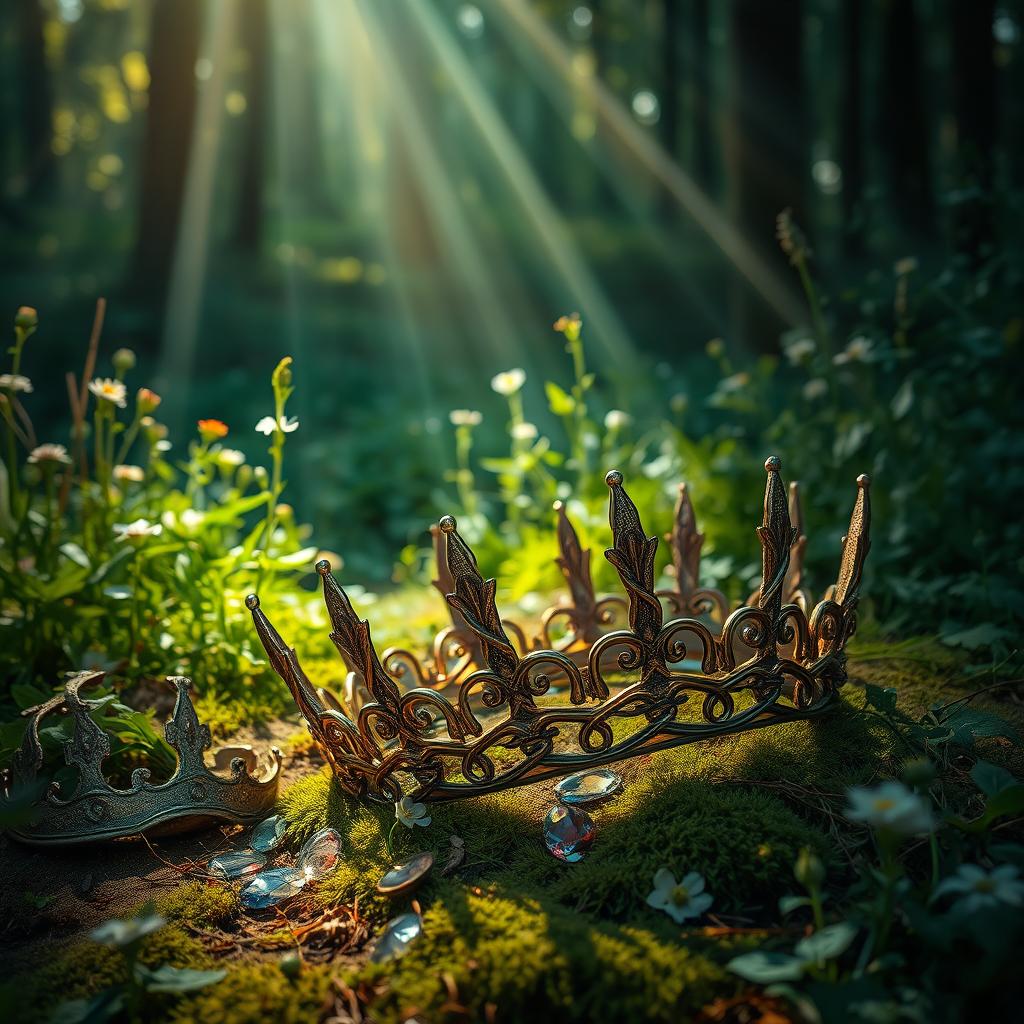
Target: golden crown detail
(489,714)
(91,809)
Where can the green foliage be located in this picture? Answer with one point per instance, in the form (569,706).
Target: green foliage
(140,570)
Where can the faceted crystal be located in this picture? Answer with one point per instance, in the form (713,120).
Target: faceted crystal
(568,832)
(586,787)
(236,865)
(398,935)
(268,835)
(320,855)
(269,888)
(405,876)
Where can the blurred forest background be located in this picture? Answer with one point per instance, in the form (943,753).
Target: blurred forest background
(404,194)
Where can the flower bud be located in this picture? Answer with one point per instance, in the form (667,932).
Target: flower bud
(124,360)
(809,870)
(715,348)
(282,376)
(147,401)
(26,319)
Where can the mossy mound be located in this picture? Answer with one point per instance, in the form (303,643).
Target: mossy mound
(511,958)
(259,992)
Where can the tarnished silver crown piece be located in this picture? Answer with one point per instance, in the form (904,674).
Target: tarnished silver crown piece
(93,810)
(650,685)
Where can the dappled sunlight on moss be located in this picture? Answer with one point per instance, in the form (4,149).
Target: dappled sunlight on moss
(258,993)
(521,955)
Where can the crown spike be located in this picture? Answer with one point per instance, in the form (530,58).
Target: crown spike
(856,545)
(632,555)
(351,636)
(284,660)
(791,590)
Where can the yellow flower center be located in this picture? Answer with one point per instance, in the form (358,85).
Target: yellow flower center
(680,896)
(984,885)
(884,804)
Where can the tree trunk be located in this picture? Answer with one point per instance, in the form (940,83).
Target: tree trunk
(767,148)
(36,99)
(904,122)
(852,127)
(248,233)
(974,107)
(669,122)
(167,142)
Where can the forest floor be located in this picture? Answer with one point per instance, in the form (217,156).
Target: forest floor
(507,927)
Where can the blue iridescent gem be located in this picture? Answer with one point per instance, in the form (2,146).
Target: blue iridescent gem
(269,888)
(587,787)
(236,865)
(568,833)
(399,933)
(268,834)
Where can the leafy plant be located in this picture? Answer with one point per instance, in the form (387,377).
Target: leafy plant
(116,556)
(125,1001)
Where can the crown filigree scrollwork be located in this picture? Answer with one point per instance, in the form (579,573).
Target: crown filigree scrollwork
(90,808)
(640,689)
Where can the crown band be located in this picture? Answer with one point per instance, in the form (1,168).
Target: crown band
(635,690)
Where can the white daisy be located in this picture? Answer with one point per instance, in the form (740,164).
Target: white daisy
(679,900)
(508,382)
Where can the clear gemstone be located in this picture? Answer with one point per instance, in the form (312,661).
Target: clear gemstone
(236,865)
(399,933)
(568,832)
(320,855)
(405,876)
(269,834)
(586,787)
(269,888)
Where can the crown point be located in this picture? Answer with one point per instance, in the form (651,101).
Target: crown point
(323,567)
(252,602)
(558,506)
(772,464)
(448,524)
(614,478)
(864,481)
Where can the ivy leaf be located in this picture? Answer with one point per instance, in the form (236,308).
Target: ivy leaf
(826,944)
(881,697)
(762,967)
(968,724)
(991,779)
(175,979)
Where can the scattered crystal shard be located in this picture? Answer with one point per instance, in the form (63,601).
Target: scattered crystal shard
(399,933)
(236,865)
(568,832)
(320,855)
(268,834)
(269,888)
(589,786)
(405,876)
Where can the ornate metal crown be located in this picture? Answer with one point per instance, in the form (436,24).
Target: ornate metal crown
(94,810)
(652,685)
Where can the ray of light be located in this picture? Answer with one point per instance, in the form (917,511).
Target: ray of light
(650,154)
(185,291)
(560,250)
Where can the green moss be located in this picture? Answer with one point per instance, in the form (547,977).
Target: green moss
(526,957)
(200,904)
(86,967)
(257,993)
